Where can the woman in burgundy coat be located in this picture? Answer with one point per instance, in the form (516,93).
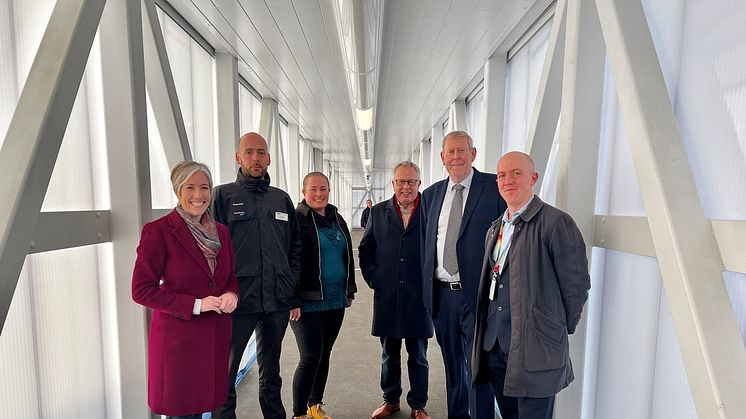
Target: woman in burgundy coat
(184,272)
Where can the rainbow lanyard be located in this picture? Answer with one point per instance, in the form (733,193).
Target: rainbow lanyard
(501,255)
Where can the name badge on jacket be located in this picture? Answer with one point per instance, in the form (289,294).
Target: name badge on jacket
(281,216)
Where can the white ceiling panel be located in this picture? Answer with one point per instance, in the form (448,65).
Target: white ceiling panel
(431,52)
(438,8)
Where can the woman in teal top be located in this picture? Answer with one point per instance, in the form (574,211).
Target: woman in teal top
(326,288)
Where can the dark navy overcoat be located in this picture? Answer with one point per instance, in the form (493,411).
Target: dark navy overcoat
(390,262)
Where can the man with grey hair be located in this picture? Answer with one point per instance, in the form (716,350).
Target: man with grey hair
(390,262)
(457,212)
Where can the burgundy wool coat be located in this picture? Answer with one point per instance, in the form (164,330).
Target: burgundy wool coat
(187,354)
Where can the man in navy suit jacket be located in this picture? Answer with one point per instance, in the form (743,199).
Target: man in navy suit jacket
(451,267)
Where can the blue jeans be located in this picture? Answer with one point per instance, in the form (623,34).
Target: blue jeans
(417,367)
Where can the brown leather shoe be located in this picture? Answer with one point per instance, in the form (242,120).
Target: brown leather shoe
(387,409)
(420,414)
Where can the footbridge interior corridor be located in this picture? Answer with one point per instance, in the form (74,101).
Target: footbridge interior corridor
(634,112)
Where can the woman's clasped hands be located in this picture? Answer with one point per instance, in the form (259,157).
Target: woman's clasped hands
(226,303)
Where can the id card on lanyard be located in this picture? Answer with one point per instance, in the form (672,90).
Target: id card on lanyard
(500,261)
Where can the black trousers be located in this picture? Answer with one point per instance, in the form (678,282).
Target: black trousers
(454,329)
(270,330)
(315,334)
(197,416)
(417,367)
(515,407)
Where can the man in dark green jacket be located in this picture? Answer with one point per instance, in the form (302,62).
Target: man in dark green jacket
(266,242)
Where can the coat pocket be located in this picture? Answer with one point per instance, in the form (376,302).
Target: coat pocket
(285,283)
(546,341)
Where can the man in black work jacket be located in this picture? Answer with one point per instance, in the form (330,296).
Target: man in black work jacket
(266,242)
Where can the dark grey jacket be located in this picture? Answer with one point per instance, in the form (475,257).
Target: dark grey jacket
(549,283)
(266,242)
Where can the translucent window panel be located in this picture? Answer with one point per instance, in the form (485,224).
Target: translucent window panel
(521,86)
(617,187)
(474,121)
(301,151)
(71,186)
(78,180)
(161,190)
(19,383)
(672,396)
(736,284)
(250,109)
(54,340)
(24,24)
(548,179)
(627,335)
(705,70)
(632,349)
(283,158)
(193,71)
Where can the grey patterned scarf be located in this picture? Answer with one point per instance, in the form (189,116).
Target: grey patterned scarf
(205,233)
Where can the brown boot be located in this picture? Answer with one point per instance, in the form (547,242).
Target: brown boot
(387,409)
(420,414)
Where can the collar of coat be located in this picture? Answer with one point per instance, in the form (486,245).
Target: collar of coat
(529,213)
(305,210)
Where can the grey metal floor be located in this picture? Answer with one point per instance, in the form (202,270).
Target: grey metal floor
(353,390)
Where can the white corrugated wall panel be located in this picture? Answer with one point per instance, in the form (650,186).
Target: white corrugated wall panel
(68,326)
(51,354)
(19,385)
(628,331)
(702,50)
(672,397)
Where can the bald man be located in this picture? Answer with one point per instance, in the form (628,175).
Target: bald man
(533,286)
(266,244)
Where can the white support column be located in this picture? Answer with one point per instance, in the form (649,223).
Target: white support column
(305,166)
(125,118)
(549,97)
(269,128)
(226,76)
(437,172)
(688,257)
(577,160)
(416,156)
(162,89)
(293,172)
(35,133)
(426,159)
(457,115)
(493,113)
(336,185)
(318,160)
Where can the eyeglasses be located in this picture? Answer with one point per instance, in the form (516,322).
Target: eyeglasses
(410,182)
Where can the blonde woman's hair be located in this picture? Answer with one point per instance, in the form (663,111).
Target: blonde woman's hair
(184,170)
